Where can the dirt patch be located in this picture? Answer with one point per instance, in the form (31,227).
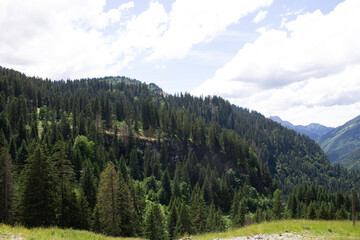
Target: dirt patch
(287,236)
(10,237)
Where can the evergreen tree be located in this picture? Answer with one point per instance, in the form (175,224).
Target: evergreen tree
(322,212)
(184,223)
(278,206)
(84,212)
(88,185)
(138,200)
(22,155)
(126,209)
(7,191)
(39,194)
(65,177)
(341,214)
(207,191)
(155,227)
(242,213)
(108,201)
(134,164)
(198,210)
(123,169)
(312,210)
(172,219)
(166,188)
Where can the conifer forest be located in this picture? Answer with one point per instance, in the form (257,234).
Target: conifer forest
(124,158)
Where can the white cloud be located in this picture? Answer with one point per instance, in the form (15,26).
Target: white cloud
(312,63)
(57,39)
(72,39)
(330,100)
(260,16)
(194,22)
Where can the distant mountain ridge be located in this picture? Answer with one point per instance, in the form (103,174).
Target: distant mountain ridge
(342,144)
(313,130)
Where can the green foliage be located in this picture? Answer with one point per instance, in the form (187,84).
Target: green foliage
(7,188)
(108,201)
(155,227)
(278,206)
(193,157)
(39,195)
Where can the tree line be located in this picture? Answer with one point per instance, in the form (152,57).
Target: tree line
(123,158)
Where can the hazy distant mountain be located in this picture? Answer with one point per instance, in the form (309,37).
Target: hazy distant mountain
(342,144)
(313,130)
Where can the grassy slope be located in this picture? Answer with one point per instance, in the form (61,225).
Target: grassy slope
(18,233)
(306,228)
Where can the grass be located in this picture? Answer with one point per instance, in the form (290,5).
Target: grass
(19,233)
(307,228)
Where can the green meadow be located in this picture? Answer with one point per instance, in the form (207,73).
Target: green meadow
(310,229)
(19,233)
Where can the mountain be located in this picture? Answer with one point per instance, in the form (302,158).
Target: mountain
(126,158)
(313,130)
(342,144)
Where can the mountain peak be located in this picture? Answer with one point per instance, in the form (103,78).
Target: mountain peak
(312,130)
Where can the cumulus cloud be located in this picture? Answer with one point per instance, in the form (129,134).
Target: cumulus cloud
(57,39)
(312,62)
(71,39)
(260,16)
(194,22)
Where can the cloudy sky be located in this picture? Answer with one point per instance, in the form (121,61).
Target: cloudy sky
(297,59)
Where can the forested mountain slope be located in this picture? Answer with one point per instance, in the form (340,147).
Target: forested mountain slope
(68,147)
(343,143)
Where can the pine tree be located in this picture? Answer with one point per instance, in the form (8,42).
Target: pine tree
(241,213)
(126,209)
(341,214)
(138,200)
(184,224)
(322,212)
(173,218)
(278,206)
(7,193)
(291,206)
(258,215)
(235,210)
(155,227)
(65,177)
(134,164)
(166,188)
(88,185)
(22,155)
(207,191)
(312,210)
(108,201)
(84,212)
(198,210)
(123,169)
(39,194)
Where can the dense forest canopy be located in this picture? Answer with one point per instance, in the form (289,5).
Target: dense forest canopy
(125,158)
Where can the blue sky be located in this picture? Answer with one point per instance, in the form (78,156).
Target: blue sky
(297,59)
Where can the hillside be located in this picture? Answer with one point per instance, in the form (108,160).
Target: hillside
(120,157)
(342,143)
(313,130)
(22,233)
(269,230)
(290,229)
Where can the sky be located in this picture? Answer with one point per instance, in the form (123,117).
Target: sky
(298,59)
